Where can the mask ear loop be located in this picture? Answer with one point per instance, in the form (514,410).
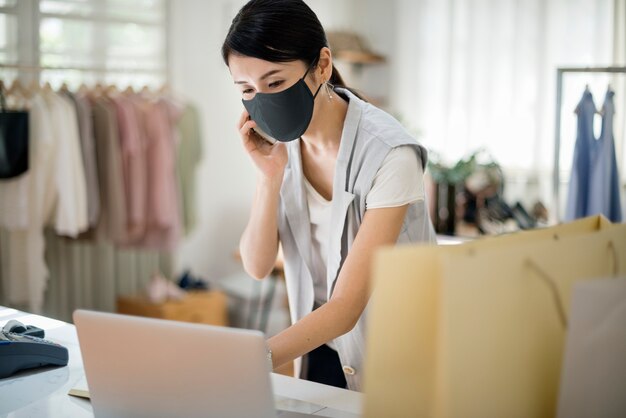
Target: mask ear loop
(553,289)
(319,87)
(317,91)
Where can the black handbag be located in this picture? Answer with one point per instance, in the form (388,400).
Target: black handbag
(13,141)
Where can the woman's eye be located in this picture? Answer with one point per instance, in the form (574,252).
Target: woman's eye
(248,91)
(276,84)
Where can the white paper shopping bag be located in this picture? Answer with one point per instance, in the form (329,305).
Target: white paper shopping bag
(593,382)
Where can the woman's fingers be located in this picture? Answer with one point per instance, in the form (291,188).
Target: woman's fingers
(244,131)
(242,119)
(261,151)
(251,141)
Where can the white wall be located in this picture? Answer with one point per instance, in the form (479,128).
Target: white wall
(225,177)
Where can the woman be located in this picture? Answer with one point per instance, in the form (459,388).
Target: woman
(343,180)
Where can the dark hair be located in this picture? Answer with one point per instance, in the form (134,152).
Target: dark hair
(278,31)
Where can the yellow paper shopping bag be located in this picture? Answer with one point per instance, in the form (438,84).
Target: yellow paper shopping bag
(580,226)
(477,330)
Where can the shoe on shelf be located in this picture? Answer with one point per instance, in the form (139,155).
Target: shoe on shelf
(160,289)
(188,282)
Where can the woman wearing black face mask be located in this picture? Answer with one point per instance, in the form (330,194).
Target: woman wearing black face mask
(343,179)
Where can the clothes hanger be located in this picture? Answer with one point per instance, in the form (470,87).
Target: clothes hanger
(34,87)
(17,95)
(16,89)
(587,90)
(83,89)
(111,90)
(97,90)
(164,90)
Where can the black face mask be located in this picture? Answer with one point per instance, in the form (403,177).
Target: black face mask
(285,115)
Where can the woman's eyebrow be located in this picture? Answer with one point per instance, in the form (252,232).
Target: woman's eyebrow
(263,77)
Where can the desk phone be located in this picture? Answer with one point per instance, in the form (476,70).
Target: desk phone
(19,352)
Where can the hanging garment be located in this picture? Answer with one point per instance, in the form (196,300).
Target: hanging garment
(133,154)
(163,227)
(70,217)
(112,221)
(13,186)
(578,195)
(88,152)
(24,271)
(189,156)
(604,193)
(13,141)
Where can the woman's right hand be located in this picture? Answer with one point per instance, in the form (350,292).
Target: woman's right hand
(269,159)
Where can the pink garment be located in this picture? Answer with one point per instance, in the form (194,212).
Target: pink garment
(133,150)
(163,227)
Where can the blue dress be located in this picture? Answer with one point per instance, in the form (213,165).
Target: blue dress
(604,193)
(578,195)
(594,182)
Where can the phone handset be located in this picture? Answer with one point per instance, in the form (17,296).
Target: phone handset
(264,135)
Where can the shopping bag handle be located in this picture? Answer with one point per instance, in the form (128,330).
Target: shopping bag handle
(558,302)
(615,261)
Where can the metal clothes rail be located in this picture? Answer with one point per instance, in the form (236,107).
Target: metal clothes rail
(37,68)
(560,72)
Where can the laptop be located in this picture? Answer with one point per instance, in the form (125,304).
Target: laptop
(145,367)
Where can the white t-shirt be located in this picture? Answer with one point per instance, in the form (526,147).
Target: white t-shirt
(399,181)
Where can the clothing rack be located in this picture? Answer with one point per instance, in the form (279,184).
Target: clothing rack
(86,273)
(560,72)
(37,68)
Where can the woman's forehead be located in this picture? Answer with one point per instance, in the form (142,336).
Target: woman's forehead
(249,69)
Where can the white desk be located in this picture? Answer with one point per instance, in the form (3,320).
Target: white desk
(43,392)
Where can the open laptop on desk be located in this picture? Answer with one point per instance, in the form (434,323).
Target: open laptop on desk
(144,367)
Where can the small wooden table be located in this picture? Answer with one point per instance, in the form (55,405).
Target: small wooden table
(203,307)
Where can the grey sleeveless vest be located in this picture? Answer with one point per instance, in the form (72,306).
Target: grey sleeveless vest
(368,136)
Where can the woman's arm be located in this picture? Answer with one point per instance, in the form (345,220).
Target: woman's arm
(352,290)
(259,243)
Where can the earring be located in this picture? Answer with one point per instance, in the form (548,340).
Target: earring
(329,87)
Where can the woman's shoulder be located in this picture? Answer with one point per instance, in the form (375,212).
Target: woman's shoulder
(378,125)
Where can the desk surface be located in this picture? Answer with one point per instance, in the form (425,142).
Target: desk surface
(43,392)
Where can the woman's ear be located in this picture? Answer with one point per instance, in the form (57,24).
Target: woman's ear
(325,64)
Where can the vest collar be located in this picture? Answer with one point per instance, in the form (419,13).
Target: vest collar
(293,196)
(293,193)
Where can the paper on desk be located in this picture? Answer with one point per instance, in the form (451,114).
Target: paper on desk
(80,389)
(295,405)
